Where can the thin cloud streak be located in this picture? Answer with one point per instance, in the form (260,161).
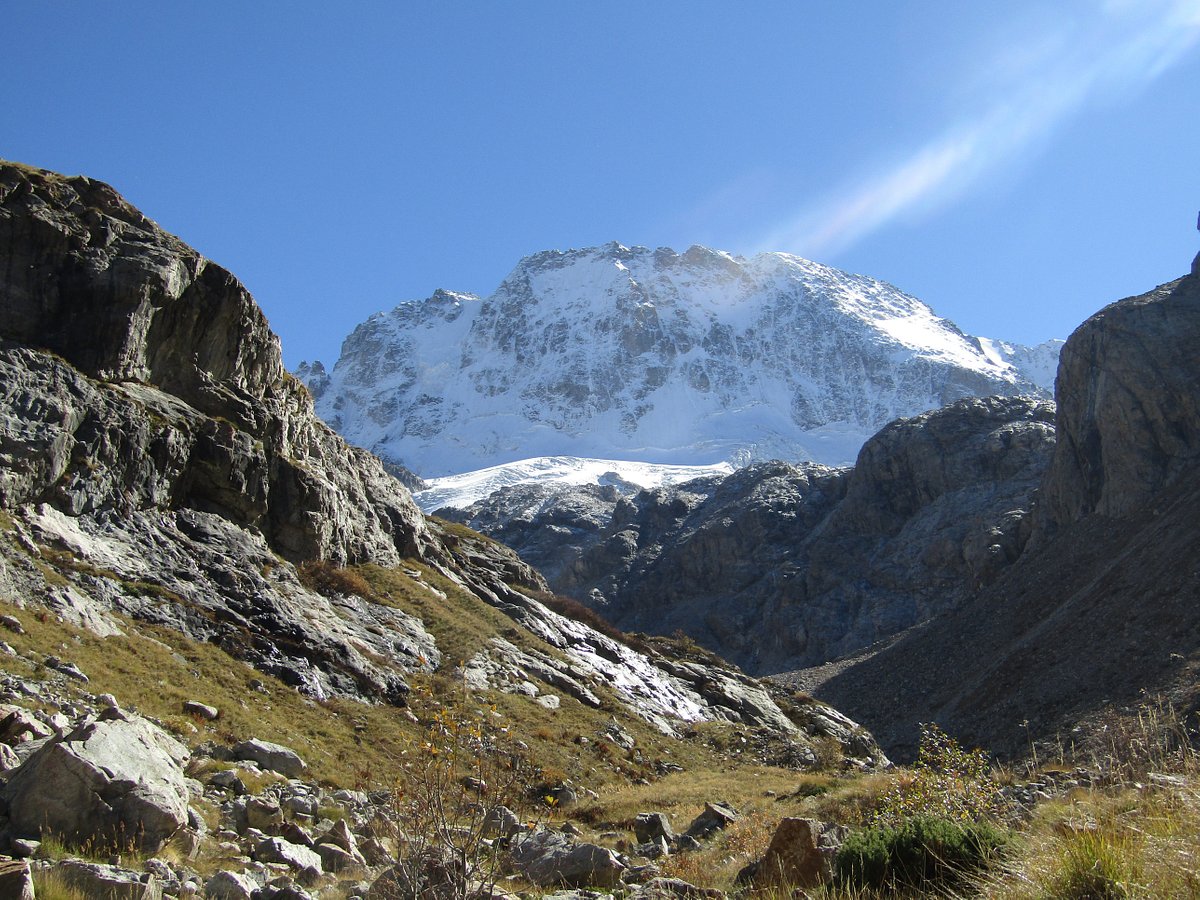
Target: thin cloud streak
(1124,55)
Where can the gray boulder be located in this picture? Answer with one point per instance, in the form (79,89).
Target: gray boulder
(650,826)
(16,882)
(225,885)
(120,781)
(276,757)
(109,882)
(295,856)
(715,817)
(553,858)
(800,855)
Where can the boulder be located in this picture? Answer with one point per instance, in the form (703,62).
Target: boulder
(109,882)
(715,817)
(263,813)
(276,757)
(800,854)
(552,858)
(117,781)
(20,725)
(501,822)
(650,826)
(16,882)
(295,856)
(225,885)
(674,889)
(336,859)
(201,710)
(340,835)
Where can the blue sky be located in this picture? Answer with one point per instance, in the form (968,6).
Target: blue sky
(1016,165)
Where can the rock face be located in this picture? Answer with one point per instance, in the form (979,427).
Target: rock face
(119,781)
(164,375)
(629,353)
(1098,613)
(779,566)
(1129,406)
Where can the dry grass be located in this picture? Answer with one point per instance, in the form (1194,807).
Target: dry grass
(51,885)
(1129,844)
(717,864)
(1136,836)
(682,795)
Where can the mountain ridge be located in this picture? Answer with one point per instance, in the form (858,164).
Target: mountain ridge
(645,355)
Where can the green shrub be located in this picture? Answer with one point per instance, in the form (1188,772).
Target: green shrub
(923,850)
(947,782)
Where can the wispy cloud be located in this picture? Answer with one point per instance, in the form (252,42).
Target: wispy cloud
(1128,44)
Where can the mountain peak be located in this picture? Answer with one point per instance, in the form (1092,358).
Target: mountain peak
(626,353)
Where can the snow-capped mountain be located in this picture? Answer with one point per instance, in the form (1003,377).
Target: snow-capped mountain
(626,353)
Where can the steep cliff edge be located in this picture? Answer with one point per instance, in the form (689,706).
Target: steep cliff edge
(158,334)
(1099,612)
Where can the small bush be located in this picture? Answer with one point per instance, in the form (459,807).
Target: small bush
(327,579)
(947,782)
(924,850)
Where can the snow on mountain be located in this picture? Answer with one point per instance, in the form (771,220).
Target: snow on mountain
(630,354)
(469,487)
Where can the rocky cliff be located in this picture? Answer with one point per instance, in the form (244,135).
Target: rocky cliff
(778,566)
(1099,611)
(158,465)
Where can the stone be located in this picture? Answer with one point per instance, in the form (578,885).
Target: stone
(110,882)
(294,832)
(12,623)
(800,855)
(21,725)
(277,850)
(276,757)
(563,796)
(200,710)
(16,881)
(672,888)
(226,885)
(375,853)
(263,813)
(228,780)
(282,888)
(340,835)
(72,671)
(119,782)
(23,848)
(8,758)
(337,859)
(552,858)
(715,817)
(649,826)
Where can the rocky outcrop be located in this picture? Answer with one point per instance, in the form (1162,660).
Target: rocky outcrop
(1098,613)
(1129,406)
(778,566)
